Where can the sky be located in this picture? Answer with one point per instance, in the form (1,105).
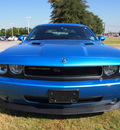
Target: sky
(15,11)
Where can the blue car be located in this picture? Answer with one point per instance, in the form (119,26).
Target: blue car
(61,69)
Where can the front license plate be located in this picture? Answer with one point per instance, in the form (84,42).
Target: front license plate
(63,96)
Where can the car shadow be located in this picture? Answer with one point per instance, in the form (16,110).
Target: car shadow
(3,110)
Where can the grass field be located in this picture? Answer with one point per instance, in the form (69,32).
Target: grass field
(113,41)
(12,120)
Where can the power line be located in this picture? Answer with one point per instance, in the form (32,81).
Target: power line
(112,26)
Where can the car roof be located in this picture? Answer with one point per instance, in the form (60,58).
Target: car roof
(55,24)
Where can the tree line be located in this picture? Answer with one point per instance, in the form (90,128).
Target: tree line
(16,31)
(75,11)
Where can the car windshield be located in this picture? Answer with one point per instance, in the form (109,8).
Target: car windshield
(61,32)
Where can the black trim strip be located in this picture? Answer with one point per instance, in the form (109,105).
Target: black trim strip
(63,111)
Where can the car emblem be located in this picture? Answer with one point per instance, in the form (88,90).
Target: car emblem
(63,60)
(57,70)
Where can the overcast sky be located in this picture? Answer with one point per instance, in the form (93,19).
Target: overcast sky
(15,11)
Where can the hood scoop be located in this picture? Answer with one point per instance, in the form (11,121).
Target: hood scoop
(36,43)
(88,43)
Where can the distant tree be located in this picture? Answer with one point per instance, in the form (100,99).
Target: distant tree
(75,11)
(99,25)
(24,30)
(2,32)
(9,32)
(69,11)
(15,31)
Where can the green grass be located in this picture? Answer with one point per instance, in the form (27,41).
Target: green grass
(113,41)
(10,120)
(13,120)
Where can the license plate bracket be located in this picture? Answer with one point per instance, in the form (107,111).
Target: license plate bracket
(63,96)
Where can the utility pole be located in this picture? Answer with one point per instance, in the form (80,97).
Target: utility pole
(104,27)
(28,18)
(5,31)
(18,31)
(12,27)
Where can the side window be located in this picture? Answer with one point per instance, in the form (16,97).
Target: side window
(33,34)
(88,34)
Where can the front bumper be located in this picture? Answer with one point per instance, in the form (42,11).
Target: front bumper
(63,111)
(13,92)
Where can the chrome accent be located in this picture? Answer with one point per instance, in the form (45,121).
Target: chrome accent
(109,72)
(3,69)
(13,69)
(63,60)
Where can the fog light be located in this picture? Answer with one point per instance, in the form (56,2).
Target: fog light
(114,100)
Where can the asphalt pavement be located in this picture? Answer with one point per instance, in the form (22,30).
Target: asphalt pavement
(5,44)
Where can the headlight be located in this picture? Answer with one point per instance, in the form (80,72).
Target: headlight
(110,70)
(3,69)
(16,69)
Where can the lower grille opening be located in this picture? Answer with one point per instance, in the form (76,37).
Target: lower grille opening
(46,100)
(36,99)
(90,99)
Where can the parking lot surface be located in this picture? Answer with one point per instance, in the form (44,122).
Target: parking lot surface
(5,44)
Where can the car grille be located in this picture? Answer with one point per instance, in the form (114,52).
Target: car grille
(41,71)
(80,100)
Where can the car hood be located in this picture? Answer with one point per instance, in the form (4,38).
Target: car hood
(63,49)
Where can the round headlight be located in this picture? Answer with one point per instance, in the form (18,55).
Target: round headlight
(3,69)
(110,70)
(16,69)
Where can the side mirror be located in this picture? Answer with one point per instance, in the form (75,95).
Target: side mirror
(22,39)
(101,38)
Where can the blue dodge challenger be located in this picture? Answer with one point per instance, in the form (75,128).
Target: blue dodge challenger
(61,69)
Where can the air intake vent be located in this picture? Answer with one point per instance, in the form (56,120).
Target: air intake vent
(35,43)
(88,44)
(80,100)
